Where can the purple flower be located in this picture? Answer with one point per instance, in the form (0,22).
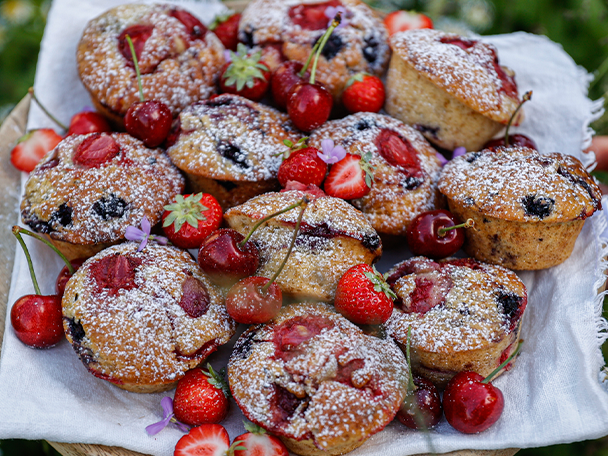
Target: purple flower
(331,154)
(442,159)
(142,235)
(331,12)
(168,417)
(458,152)
(227,55)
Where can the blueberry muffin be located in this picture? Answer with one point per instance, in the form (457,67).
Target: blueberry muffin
(140,320)
(406,167)
(316,380)
(288,30)
(528,207)
(90,188)
(453,89)
(178,57)
(465,315)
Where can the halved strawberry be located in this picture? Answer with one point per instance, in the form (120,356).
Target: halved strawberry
(204,440)
(32,146)
(350,178)
(256,442)
(400,21)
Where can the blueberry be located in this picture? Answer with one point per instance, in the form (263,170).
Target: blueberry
(333,46)
(538,206)
(110,206)
(233,153)
(370,49)
(63,215)
(364,124)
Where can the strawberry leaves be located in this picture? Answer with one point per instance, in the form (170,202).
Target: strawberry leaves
(244,69)
(188,209)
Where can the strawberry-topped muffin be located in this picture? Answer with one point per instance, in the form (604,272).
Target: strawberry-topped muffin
(317,380)
(90,188)
(465,315)
(404,165)
(178,57)
(288,30)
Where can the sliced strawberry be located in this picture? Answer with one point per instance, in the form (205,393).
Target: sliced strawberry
(204,440)
(32,147)
(401,21)
(256,442)
(226,27)
(312,17)
(350,178)
(95,150)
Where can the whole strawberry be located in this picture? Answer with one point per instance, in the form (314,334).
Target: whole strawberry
(188,220)
(303,165)
(226,27)
(32,146)
(201,397)
(256,442)
(363,296)
(350,178)
(363,93)
(401,21)
(245,75)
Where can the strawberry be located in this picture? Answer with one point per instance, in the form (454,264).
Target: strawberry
(363,93)
(245,75)
(302,165)
(188,221)
(85,122)
(32,146)
(201,397)
(204,440)
(256,442)
(226,27)
(350,178)
(363,296)
(400,21)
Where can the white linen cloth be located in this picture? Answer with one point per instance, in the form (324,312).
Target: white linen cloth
(553,394)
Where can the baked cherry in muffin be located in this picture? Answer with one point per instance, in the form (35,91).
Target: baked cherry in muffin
(316,380)
(465,315)
(178,57)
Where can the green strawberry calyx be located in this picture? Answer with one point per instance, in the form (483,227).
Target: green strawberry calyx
(244,69)
(217,379)
(189,209)
(379,282)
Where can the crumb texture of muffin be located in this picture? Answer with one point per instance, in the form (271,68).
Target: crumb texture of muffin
(405,167)
(140,320)
(465,315)
(317,380)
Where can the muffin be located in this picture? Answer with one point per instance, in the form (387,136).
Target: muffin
(528,207)
(141,319)
(453,89)
(178,57)
(333,237)
(316,380)
(465,315)
(288,30)
(90,188)
(406,168)
(231,147)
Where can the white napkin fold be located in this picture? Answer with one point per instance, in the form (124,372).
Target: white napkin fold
(553,394)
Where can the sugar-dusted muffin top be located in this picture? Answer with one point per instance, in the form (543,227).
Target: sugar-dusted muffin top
(521,184)
(406,168)
(310,374)
(231,138)
(142,319)
(178,57)
(465,68)
(74,197)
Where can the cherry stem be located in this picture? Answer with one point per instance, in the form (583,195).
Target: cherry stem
(46,111)
(265,219)
(20,230)
(323,40)
(507,361)
(313,51)
(527,97)
(303,202)
(410,384)
(136,65)
(28,257)
(441,232)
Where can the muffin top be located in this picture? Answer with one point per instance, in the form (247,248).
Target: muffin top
(521,184)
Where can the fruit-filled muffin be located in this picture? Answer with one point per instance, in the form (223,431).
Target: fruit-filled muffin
(316,380)
(231,147)
(178,57)
(90,188)
(333,237)
(465,315)
(141,319)
(288,30)
(405,167)
(451,88)
(528,207)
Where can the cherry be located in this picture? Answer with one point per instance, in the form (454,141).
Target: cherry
(516,139)
(65,274)
(95,150)
(436,234)
(284,78)
(86,122)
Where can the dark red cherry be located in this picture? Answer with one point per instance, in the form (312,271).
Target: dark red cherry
(86,122)
(309,105)
(195,297)
(223,258)
(422,408)
(96,150)
(312,16)
(64,275)
(139,35)
(149,121)
(195,28)
(514,140)
(283,79)
(425,238)
(248,302)
(37,320)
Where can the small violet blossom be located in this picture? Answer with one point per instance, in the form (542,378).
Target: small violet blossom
(331,12)
(168,417)
(331,154)
(441,158)
(458,152)
(228,55)
(142,235)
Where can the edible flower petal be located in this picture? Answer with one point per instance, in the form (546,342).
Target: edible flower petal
(458,152)
(331,154)
(142,235)
(168,417)
(331,11)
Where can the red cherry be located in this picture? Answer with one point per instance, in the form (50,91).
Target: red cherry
(283,79)
(64,275)
(422,408)
(424,238)
(309,105)
(86,122)
(248,302)
(37,320)
(96,150)
(149,121)
(139,34)
(514,140)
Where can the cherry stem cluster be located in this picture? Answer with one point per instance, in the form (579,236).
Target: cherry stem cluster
(410,384)
(507,361)
(441,232)
(19,230)
(265,219)
(527,97)
(323,40)
(46,111)
(136,65)
(28,257)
